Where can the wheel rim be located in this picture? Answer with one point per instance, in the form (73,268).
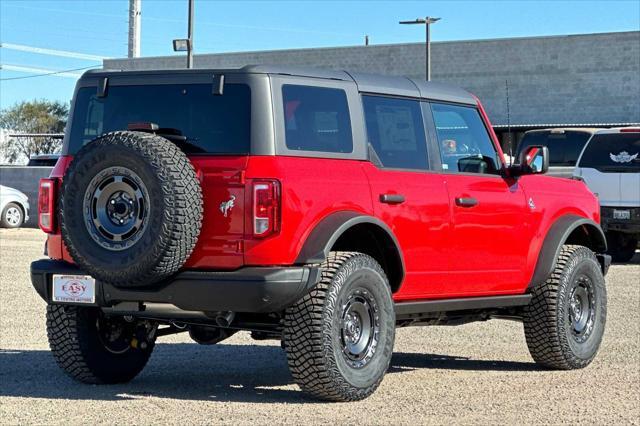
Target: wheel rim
(116,208)
(116,335)
(13,216)
(582,309)
(360,328)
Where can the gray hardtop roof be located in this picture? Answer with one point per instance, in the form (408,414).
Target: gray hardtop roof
(369,83)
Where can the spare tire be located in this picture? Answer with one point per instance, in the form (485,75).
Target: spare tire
(131,208)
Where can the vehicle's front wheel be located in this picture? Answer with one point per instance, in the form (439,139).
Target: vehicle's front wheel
(339,337)
(92,348)
(565,320)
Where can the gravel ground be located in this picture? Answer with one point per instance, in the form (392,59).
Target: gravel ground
(479,373)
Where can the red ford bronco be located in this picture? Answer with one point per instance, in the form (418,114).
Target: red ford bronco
(320,208)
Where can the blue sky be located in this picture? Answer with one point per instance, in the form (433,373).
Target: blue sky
(99,27)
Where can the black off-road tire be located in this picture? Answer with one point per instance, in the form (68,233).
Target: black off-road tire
(549,331)
(313,337)
(168,233)
(78,350)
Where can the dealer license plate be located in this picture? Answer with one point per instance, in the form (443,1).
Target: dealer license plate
(622,214)
(74,289)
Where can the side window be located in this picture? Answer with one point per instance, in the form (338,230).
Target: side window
(395,129)
(316,119)
(465,145)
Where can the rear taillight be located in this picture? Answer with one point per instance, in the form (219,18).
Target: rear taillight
(46,205)
(630,130)
(266,208)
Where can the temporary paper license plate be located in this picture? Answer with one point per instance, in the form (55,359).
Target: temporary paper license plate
(74,289)
(622,214)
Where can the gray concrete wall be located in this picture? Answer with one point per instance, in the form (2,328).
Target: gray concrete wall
(590,78)
(25,179)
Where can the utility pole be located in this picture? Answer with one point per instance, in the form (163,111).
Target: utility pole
(427,21)
(190,36)
(135,11)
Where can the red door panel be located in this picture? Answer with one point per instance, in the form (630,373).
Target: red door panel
(420,223)
(490,234)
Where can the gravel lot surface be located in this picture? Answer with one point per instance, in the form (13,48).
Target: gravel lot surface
(479,373)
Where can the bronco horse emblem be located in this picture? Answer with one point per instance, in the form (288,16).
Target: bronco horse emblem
(226,206)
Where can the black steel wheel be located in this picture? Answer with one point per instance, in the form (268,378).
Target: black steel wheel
(360,329)
(116,208)
(339,337)
(565,320)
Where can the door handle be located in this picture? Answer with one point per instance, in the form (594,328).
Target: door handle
(466,201)
(392,198)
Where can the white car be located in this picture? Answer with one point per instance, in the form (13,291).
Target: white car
(610,166)
(14,207)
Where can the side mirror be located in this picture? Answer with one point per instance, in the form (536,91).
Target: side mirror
(534,160)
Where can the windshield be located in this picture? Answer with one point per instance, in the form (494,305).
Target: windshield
(564,146)
(613,152)
(215,124)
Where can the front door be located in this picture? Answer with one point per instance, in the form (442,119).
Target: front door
(489,212)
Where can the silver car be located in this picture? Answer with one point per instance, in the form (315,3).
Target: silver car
(14,207)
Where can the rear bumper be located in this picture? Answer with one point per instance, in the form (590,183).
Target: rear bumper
(250,289)
(627,226)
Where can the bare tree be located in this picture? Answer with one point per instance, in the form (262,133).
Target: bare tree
(37,116)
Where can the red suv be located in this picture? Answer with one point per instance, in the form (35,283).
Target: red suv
(320,208)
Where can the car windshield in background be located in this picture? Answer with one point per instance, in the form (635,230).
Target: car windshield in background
(212,124)
(613,152)
(564,146)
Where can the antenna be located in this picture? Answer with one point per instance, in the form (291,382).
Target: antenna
(509,143)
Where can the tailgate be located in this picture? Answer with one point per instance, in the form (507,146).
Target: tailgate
(220,245)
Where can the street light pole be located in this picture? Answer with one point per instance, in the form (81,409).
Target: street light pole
(427,21)
(190,36)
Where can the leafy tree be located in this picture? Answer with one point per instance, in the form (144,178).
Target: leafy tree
(37,116)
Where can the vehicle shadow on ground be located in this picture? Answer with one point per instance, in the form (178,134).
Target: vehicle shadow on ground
(191,372)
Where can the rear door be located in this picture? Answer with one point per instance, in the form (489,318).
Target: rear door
(407,196)
(490,235)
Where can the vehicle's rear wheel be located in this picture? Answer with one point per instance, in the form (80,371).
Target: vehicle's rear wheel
(622,247)
(339,337)
(131,208)
(12,216)
(565,320)
(96,349)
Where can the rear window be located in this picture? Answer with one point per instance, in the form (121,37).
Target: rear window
(316,119)
(613,152)
(211,124)
(564,146)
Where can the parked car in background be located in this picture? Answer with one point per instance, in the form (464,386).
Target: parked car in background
(564,146)
(43,160)
(14,206)
(610,166)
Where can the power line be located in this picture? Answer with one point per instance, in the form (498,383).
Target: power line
(52,52)
(61,73)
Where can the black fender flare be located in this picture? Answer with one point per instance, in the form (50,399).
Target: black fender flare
(558,235)
(318,244)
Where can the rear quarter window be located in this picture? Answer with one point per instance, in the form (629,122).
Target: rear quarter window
(316,119)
